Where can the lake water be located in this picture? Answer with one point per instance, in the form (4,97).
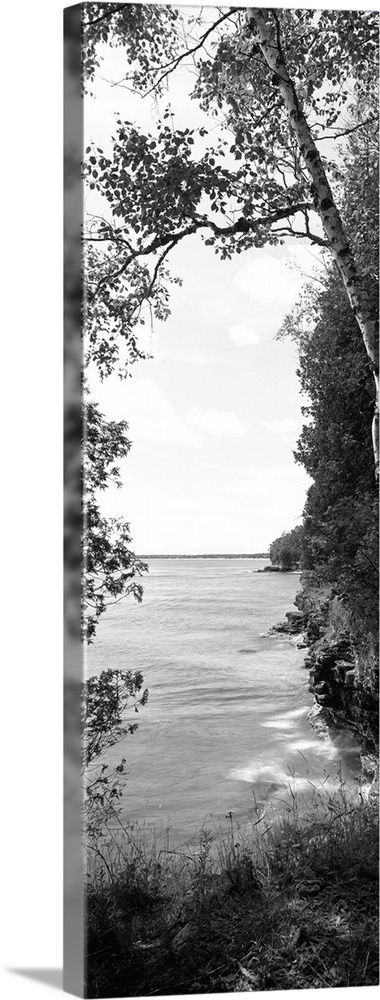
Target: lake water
(227,715)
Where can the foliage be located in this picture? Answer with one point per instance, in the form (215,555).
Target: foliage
(109,566)
(163,187)
(291,905)
(117,292)
(322,54)
(109,570)
(105,701)
(146,35)
(285,551)
(360,183)
(270,183)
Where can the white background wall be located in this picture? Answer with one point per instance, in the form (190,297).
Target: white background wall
(30,492)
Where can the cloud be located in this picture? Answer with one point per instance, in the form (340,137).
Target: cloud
(201,507)
(273,285)
(266,499)
(284,427)
(199,358)
(241,334)
(216,423)
(153,416)
(269,282)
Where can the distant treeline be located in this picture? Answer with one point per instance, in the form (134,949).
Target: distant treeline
(212,555)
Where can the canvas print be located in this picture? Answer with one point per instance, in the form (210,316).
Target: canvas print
(229,600)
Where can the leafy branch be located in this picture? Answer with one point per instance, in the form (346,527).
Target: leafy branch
(173,63)
(105,17)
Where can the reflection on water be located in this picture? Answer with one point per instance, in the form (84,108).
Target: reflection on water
(220,728)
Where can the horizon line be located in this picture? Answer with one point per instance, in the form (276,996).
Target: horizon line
(205,555)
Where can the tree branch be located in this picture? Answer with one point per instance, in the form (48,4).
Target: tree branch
(347,131)
(172,65)
(110,13)
(160,241)
(243,226)
(157,267)
(288,230)
(311,236)
(146,296)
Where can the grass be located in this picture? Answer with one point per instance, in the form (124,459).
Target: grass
(292,905)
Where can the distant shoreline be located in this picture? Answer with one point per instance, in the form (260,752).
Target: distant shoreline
(222,555)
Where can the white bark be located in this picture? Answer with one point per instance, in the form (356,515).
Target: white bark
(264,30)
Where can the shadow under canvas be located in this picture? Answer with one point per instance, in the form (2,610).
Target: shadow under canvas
(50,977)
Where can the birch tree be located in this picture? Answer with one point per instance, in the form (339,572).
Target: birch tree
(266,29)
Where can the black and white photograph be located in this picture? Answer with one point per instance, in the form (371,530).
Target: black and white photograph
(230,459)
(228,288)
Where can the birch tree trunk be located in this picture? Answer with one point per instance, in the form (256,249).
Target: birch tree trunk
(267,37)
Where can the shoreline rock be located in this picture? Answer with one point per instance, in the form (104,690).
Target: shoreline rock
(278,569)
(336,685)
(324,720)
(295,625)
(341,699)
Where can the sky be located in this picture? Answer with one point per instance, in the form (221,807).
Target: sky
(215,415)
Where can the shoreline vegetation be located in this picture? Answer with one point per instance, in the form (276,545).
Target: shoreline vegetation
(291,906)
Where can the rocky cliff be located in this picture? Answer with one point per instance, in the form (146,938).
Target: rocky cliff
(343,677)
(343,674)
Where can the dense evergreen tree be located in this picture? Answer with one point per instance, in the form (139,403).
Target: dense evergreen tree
(285,551)
(339,540)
